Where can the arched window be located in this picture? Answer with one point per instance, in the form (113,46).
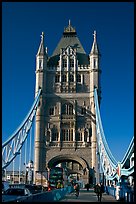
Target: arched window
(94,63)
(83,110)
(51,111)
(64,137)
(54,135)
(70,109)
(71,134)
(67,109)
(64,78)
(40,63)
(67,134)
(79,136)
(78,78)
(57,78)
(71,78)
(71,62)
(64,63)
(48,136)
(85,135)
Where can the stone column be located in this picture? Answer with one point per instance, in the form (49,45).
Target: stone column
(59,139)
(74,138)
(93,140)
(40,142)
(74,69)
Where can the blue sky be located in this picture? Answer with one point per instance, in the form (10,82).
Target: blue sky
(22,24)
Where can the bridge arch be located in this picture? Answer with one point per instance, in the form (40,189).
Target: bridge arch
(66,157)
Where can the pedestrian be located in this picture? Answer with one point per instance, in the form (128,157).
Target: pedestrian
(77,188)
(98,191)
(87,186)
(59,185)
(102,188)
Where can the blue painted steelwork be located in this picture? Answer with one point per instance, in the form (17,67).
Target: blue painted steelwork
(128,152)
(105,155)
(101,137)
(11,148)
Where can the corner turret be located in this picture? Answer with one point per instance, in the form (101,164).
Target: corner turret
(41,65)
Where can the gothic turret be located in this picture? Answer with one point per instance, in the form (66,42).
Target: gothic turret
(94,82)
(41,67)
(94,65)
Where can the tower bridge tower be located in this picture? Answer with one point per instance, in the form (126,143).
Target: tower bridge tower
(65,119)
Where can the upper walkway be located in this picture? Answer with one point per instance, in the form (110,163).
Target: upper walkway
(87,196)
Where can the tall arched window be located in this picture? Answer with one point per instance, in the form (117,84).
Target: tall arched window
(83,110)
(71,62)
(64,78)
(71,78)
(64,63)
(48,136)
(67,134)
(94,63)
(71,134)
(54,136)
(70,109)
(85,135)
(51,111)
(78,78)
(79,136)
(67,109)
(57,78)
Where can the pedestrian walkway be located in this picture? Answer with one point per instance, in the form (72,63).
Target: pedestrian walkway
(87,196)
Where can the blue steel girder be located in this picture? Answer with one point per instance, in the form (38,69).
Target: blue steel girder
(107,161)
(129,152)
(11,148)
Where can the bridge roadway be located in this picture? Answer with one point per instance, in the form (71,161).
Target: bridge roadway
(87,196)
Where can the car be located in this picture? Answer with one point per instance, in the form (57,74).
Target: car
(34,188)
(15,194)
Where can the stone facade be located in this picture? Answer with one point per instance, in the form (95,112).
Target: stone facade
(65,117)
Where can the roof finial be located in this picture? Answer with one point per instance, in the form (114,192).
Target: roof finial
(69,23)
(94,34)
(42,36)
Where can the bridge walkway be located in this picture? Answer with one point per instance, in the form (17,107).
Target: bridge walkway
(87,196)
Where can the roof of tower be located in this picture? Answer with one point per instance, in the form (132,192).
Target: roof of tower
(69,38)
(95,49)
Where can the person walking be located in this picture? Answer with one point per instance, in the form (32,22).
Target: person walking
(98,191)
(87,186)
(77,188)
(58,185)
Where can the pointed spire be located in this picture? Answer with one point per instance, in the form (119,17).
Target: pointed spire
(94,49)
(41,49)
(94,34)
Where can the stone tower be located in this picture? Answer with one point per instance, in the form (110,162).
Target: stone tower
(65,119)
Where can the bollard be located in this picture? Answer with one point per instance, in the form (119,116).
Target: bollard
(126,196)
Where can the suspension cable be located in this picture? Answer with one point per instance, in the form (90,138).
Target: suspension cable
(20,165)
(30,144)
(13,170)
